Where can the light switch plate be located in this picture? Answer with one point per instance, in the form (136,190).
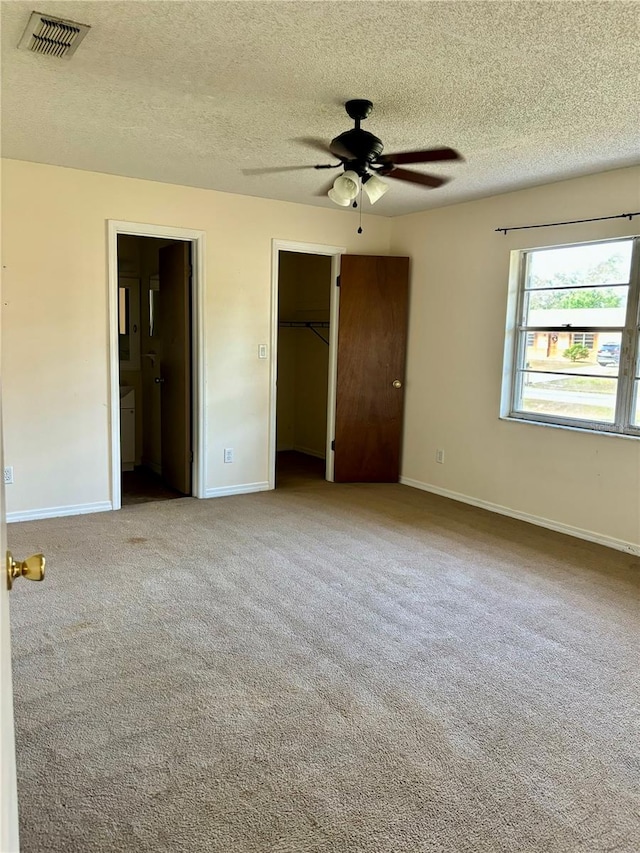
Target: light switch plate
(262,351)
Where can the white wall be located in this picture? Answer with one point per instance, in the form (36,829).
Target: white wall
(459,286)
(55,320)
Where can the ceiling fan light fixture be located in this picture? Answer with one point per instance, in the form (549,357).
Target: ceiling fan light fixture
(346,187)
(338,199)
(374,188)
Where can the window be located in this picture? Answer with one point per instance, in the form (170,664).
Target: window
(584,339)
(576,353)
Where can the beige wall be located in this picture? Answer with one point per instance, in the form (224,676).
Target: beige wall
(312,383)
(459,284)
(55,318)
(286,399)
(56,326)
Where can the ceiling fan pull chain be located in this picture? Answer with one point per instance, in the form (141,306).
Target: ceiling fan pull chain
(360,226)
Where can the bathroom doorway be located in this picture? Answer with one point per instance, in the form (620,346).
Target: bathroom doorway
(156,368)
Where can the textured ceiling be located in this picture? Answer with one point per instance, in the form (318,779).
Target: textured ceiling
(193,93)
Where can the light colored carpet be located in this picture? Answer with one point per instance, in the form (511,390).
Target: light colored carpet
(325,669)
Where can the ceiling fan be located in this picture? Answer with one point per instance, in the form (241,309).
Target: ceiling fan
(360,154)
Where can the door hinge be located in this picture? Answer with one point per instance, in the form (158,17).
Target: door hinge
(191,456)
(333,444)
(338,281)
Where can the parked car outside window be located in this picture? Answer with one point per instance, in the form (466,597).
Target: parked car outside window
(608,354)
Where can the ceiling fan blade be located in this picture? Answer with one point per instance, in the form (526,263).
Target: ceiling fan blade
(316,144)
(269,170)
(416,177)
(429,155)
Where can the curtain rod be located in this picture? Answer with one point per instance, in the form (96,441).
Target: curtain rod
(569,222)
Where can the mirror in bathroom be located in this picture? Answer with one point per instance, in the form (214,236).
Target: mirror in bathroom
(123,323)
(129,323)
(154,293)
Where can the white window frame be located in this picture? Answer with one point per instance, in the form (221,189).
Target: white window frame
(515,347)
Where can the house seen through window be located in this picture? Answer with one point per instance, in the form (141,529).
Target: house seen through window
(576,359)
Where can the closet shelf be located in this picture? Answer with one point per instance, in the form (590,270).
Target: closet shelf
(314,325)
(298,324)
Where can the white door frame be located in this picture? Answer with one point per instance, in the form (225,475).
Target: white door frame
(335,252)
(198,402)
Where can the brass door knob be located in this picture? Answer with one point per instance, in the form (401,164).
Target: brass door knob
(396,383)
(32,568)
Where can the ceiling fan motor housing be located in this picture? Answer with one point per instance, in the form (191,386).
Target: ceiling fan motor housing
(363,147)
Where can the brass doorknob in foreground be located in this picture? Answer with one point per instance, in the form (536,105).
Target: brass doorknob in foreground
(32,568)
(396,383)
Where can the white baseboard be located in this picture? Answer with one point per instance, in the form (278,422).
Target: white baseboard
(241,489)
(59,511)
(559,527)
(319,454)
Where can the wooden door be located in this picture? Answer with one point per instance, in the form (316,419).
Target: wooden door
(8,785)
(175,373)
(372,338)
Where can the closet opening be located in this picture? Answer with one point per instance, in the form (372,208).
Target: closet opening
(304,375)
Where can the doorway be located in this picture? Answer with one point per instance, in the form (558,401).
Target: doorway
(154,336)
(156,363)
(364,395)
(304,342)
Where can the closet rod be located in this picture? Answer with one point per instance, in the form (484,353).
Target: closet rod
(314,325)
(307,324)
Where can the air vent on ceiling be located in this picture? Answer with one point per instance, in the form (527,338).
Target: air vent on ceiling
(52,36)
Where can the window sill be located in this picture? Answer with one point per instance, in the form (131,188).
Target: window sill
(605,433)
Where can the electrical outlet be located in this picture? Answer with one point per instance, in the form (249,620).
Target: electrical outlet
(440,456)
(228,454)
(8,475)
(262,351)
